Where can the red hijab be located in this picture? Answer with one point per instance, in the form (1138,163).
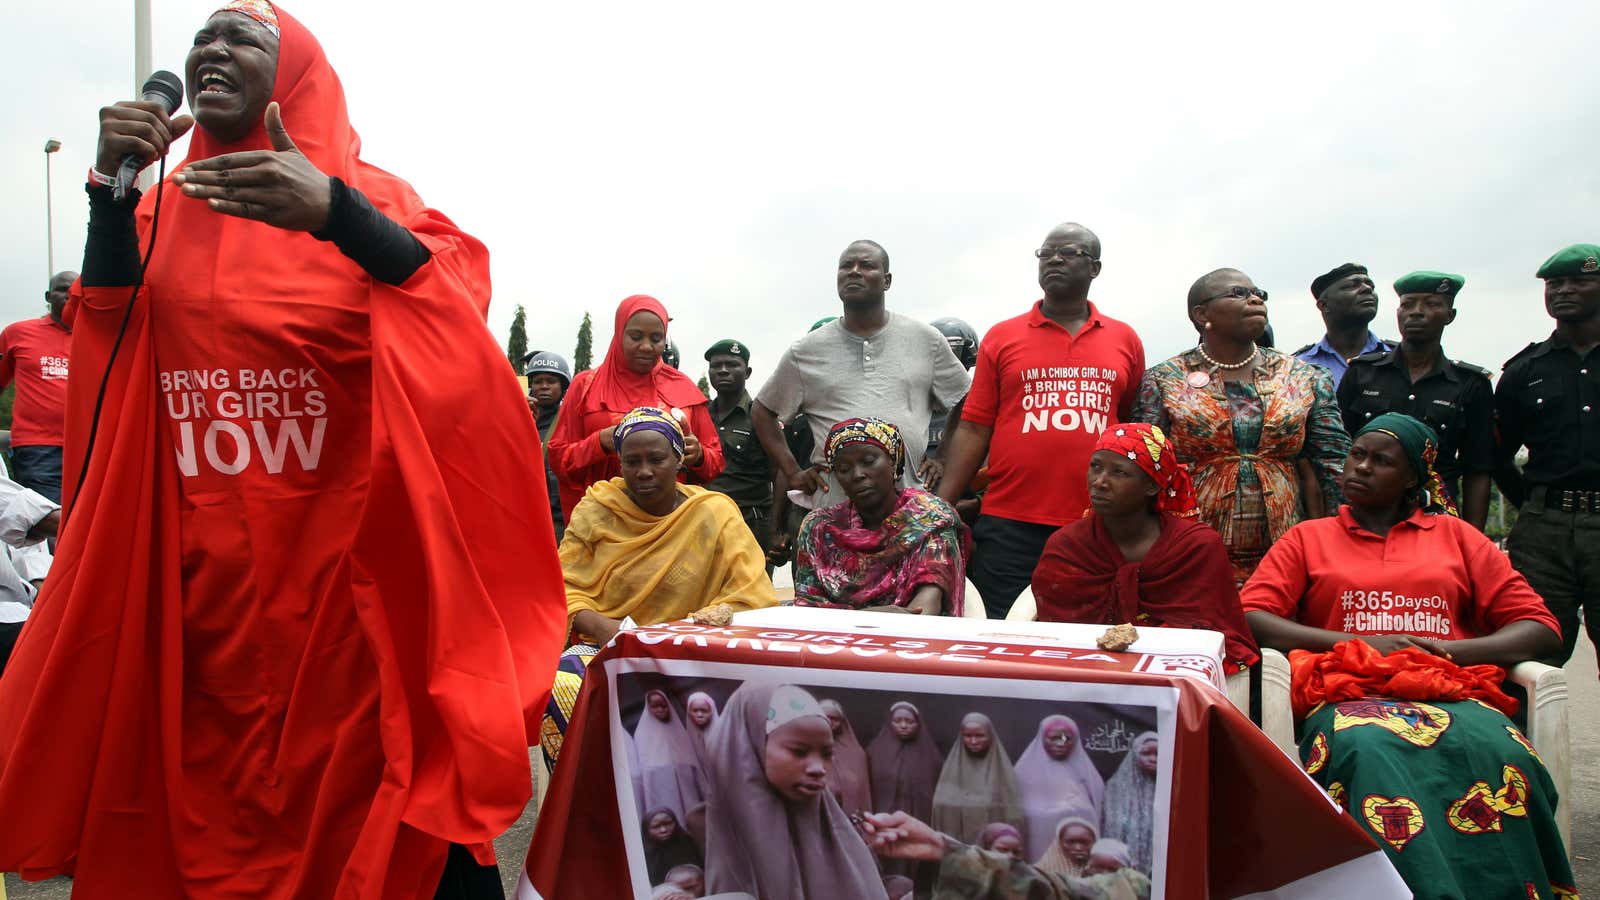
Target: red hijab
(620,389)
(1184,580)
(292,650)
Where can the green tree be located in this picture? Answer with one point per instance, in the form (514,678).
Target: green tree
(517,344)
(7,397)
(1502,516)
(704,386)
(583,357)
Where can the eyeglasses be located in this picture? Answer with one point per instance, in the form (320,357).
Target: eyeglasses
(1240,292)
(1066,253)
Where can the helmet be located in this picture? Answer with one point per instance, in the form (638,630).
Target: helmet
(670,355)
(1266,340)
(963,339)
(543,361)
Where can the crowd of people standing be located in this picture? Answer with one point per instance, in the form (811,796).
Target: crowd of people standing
(1303,501)
(1264,434)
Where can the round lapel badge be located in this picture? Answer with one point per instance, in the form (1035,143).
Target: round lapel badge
(1198,379)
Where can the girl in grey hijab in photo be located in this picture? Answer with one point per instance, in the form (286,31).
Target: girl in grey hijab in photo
(773,829)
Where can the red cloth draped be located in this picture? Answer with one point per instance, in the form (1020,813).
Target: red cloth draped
(1355,669)
(1184,581)
(600,397)
(306,605)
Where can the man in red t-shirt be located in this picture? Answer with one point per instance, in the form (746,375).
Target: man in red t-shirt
(1048,383)
(34,352)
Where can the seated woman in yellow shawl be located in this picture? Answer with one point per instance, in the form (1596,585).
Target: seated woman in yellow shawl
(644,547)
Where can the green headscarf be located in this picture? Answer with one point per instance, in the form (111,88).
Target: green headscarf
(1421,445)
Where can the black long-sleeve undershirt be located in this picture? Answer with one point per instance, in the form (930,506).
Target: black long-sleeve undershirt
(377,243)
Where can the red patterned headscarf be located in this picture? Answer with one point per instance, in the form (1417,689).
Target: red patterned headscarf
(260,10)
(867,431)
(1148,446)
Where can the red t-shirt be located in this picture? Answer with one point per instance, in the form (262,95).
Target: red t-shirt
(1433,576)
(34,353)
(1049,395)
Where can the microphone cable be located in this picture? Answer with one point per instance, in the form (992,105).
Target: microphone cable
(122,331)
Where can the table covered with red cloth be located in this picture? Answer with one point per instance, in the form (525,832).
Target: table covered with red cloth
(1230,815)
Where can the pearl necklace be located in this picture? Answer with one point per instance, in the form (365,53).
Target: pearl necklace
(1229,367)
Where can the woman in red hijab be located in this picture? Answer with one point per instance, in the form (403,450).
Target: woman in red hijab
(1140,555)
(632,375)
(306,602)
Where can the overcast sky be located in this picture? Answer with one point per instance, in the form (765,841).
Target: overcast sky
(719,156)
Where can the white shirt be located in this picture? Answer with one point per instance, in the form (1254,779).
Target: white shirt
(20,510)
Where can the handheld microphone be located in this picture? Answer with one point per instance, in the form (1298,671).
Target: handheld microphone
(161,87)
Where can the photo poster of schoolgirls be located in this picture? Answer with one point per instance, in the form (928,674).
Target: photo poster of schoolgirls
(747,781)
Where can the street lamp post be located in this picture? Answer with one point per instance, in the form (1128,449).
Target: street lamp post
(50,147)
(142,67)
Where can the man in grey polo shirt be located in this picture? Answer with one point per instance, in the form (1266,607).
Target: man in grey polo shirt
(870,362)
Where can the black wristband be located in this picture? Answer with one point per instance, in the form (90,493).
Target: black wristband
(376,242)
(111,249)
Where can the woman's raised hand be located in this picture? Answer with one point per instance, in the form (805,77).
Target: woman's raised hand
(280,187)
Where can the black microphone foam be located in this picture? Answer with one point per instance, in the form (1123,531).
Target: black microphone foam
(161,87)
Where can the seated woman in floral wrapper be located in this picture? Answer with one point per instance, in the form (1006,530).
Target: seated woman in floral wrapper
(646,547)
(1399,618)
(884,548)
(1141,555)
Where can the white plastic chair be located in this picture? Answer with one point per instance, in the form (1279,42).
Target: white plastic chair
(972,603)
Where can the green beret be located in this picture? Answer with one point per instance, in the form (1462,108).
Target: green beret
(729,347)
(1429,282)
(1579,259)
(821,322)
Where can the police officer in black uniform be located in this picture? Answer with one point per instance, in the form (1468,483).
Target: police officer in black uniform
(963,341)
(1416,378)
(549,376)
(1548,400)
(747,475)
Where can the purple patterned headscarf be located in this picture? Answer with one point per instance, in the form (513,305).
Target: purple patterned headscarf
(649,418)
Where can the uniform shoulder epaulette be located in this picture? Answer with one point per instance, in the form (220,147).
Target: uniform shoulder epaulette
(1374,356)
(1520,354)
(1389,343)
(1303,349)
(1469,367)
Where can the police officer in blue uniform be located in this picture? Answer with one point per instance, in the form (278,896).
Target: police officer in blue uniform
(1348,301)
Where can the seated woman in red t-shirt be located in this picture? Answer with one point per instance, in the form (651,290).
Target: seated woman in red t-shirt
(1141,555)
(1407,612)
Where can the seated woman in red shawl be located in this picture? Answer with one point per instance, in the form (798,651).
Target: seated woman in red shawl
(885,548)
(1141,555)
(632,375)
(1398,618)
(304,607)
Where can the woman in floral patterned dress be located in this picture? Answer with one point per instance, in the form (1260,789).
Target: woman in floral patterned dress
(1259,430)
